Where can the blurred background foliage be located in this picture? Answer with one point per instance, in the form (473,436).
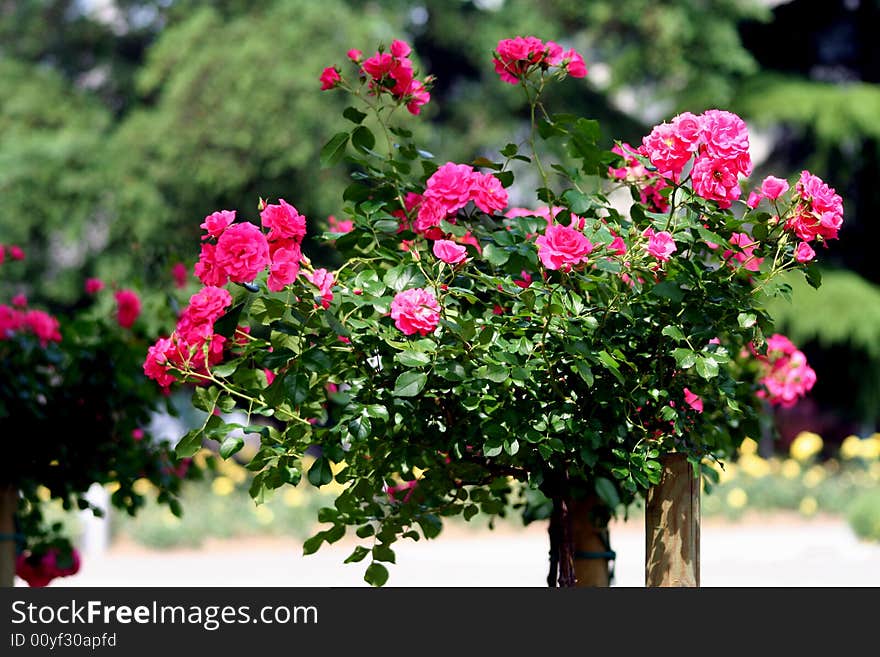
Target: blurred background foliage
(124,122)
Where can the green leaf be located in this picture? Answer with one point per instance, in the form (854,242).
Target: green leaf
(668,290)
(814,277)
(362,139)
(495,255)
(493,372)
(376,574)
(746,320)
(311,545)
(673,332)
(409,384)
(607,492)
(296,387)
(402,277)
(189,444)
(354,115)
(334,149)
(707,367)
(410,358)
(383,553)
(230,446)
(226,325)
(205,398)
(684,358)
(365,531)
(320,473)
(584,372)
(357,555)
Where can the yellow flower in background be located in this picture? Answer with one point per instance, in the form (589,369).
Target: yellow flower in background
(112,487)
(748,446)
(336,468)
(851,447)
(222,486)
(791,469)
(737,498)
(727,473)
(44,494)
(264,514)
(201,458)
(169,519)
(814,476)
(142,486)
(293,497)
(753,465)
(233,470)
(808,506)
(871,447)
(806,445)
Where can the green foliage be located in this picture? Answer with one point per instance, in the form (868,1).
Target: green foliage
(864,515)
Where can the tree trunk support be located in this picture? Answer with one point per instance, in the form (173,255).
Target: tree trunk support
(672,526)
(8,535)
(592,551)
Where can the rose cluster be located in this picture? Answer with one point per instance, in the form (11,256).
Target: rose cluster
(386,72)
(649,183)
(787,376)
(40,570)
(718,142)
(518,57)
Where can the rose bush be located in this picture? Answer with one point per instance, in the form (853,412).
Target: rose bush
(74,410)
(469,355)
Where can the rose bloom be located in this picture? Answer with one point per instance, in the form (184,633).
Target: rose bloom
(804,252)
(773,187)
(156,364)
(449,252)
(488,193)
(284,267)
(724,134)
(450,185)
(716,180)
(216,222)
(574,64)
(179,273)
(205,307)
(242,252)
(43,325)
(283,221)
(747,258)
(666,150)
(819,211)
(128,307)
(207,270)
(324,281)
(560,247)
(16,253)
(418,96)
(415,311)
(329,78)
(431,212)
(660,245)
(19,300)
(694,401)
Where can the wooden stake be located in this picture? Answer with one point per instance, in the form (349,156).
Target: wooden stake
(587,534)
(8,506)
(672,526)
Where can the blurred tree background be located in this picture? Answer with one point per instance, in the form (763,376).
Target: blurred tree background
(124,122)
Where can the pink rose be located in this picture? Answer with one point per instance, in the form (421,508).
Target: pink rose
(215,223)
(488,193)
(666,150)
(205,307)
(207,270)
(747,257)
(340,226)
(16,253)
(804,252)
(179,273)
(284,267)
(431,212)
(329,78)
(156,364)
(449,252)
(415,311)
(283,221)
(514,57)
(450,185)
(694,401)
(400,48)
(575,65)
(773,187)
(417,96)
(137,434)
(818,213)
(754,199)
(355,55)
(688,130)
(787,375)
(128,307)
(560,247)
(660,245)
(19,300)
(725,136)
(242,251)
(43,325)
(11,320)
(324,281)
(716,180)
